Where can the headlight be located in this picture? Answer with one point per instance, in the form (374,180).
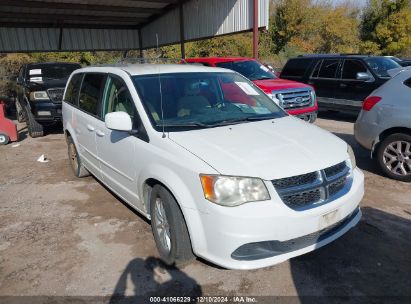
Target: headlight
(39,95)
(276,100)
(313,96)
(233,191)
(352,157)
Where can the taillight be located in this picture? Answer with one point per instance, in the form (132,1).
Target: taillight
(370,102)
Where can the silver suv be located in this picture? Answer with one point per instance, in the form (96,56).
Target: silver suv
(384,126)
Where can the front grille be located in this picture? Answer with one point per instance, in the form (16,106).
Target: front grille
(301,199)
(294,98)
(294,181)
(309,190)
(56,94)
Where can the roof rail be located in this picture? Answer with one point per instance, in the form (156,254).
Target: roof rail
(158,60)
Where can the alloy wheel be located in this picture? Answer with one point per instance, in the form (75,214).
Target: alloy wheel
(397,157)
(162,225)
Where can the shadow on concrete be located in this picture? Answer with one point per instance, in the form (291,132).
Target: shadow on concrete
(339,116)
(152,278)
(369,264)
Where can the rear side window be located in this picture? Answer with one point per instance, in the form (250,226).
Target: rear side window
(73,89)
(296,67)
(90,94)
(328,68)
(408,82)
(351,68)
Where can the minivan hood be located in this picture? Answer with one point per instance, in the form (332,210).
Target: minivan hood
(267,149)
(269,85)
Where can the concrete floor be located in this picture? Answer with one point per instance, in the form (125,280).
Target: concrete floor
(65,236)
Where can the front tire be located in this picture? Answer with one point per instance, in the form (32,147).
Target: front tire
(394,156)
(75,162)
(169,228)
(35,129)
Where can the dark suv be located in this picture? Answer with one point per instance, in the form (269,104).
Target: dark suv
(40,88)
(341,82)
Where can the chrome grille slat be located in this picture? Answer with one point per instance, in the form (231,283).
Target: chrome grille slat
(56,94)
(314,188)
(294,98)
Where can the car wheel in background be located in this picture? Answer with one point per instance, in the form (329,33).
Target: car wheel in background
(19,112)
(169,228)
(4,139)
(78,169)
(394,156)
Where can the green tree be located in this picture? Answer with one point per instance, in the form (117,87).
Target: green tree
(386,27)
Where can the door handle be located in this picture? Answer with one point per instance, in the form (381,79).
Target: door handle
(90,128)
(343,85)
(99,133)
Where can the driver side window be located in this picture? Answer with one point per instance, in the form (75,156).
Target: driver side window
(117,98)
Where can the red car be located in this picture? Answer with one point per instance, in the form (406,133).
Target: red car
(296,98)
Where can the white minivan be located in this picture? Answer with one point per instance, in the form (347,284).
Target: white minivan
(221,171)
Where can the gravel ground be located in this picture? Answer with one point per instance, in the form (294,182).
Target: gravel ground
(62,236)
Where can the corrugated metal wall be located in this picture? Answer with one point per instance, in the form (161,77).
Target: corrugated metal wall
(202,18)
(205,18)
(47,39)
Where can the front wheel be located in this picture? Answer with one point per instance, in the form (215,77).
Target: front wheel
(394,156)
(169,228)
(35,129)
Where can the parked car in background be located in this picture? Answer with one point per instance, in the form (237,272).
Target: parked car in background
(404,62)
(296,98)
(236,181)
(341,82)
(384,126)
(40,88)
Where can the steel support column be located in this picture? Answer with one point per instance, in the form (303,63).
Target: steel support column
(255,29)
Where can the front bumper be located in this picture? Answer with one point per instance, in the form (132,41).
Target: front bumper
(47,111)
(219,234)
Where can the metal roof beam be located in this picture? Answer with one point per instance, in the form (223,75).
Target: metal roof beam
(79,6)
(60,18)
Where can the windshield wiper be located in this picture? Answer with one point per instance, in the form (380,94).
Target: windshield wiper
(189,124)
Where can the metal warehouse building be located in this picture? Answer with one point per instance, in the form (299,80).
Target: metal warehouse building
(90,25)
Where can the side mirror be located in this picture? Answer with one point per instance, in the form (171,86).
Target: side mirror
(119,121)
(363,76)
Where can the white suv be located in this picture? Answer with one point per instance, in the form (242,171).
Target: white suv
(222,172)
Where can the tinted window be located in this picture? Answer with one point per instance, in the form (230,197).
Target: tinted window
(117,97)
(380,65)
(351,68)
(408,82)
(316,69)
(90,93)
(73,89)
(251,69)
(296,67)
(328,68)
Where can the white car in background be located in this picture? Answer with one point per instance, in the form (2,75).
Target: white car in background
(236,181)
(384,125)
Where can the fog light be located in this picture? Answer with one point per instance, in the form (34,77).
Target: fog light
(44,113)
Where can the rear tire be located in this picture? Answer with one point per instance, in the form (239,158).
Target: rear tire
(174,243)
(75,162)
(4,139)
(35,129)
(394,157)
(20,112)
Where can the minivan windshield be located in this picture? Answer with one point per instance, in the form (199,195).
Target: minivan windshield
(251,69)
(186,101)
(52,71)
(380,65)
